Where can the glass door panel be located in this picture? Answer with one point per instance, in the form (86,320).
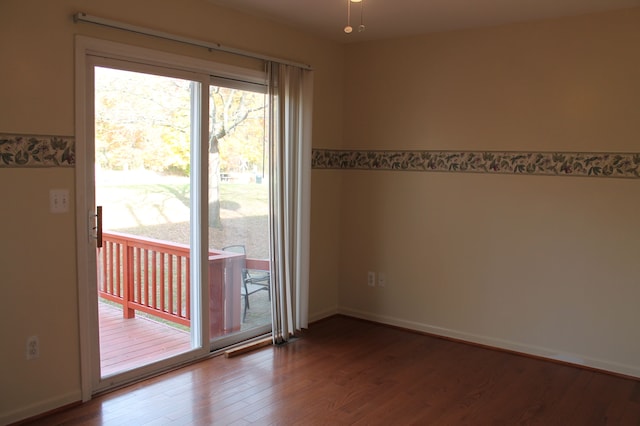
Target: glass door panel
(239,270)
(143,143)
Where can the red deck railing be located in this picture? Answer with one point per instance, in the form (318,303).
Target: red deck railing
(147,275)
(153,276)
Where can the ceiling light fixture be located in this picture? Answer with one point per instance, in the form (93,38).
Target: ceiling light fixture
(348,29)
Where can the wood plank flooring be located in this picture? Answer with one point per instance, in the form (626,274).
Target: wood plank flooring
(345,371)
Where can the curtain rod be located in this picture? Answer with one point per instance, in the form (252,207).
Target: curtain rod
(83,17)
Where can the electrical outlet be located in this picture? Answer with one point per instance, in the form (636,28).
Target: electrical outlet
(33,347)
(371,280)
(382,279)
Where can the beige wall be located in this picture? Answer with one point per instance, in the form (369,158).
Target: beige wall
(568,84)
(544,265)
(37,276)
(540,264)
(37,249)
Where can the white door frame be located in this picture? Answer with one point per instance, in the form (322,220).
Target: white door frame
(85,196)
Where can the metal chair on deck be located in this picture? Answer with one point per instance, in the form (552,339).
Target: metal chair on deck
(253,281)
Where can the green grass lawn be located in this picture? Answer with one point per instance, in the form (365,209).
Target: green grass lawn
(161,210)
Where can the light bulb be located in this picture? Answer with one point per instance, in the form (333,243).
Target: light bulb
(348,29)
(361,28)
(356,1)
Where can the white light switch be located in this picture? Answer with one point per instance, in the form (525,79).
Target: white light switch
(59,200)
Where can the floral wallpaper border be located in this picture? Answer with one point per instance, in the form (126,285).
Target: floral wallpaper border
(59,151)
(37,151)
(601,164)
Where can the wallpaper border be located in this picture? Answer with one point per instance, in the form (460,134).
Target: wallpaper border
(37,151)
(18,150)
(585,164)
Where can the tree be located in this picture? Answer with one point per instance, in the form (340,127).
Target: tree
(143,122)
(237,113)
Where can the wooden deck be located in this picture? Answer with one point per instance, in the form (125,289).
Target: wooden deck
(131,343)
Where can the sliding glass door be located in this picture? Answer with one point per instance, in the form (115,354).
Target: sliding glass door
(238,212)
(174,152)
(146,140)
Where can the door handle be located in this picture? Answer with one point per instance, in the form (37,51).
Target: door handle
(98,227)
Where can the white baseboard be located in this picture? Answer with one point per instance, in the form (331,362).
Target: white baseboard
(40,407)
(317,316)
(523,348)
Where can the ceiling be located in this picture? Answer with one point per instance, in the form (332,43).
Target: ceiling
(398,18)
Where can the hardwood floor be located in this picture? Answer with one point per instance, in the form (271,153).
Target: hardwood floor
(345,371)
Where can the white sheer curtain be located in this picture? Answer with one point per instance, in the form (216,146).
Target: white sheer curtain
(290,102)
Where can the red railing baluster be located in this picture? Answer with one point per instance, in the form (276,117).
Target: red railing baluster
(127,274)
(179,287)
(139,289)
(142,267)
(103,271)
(170,285)
(162,293)
(145,269)
(188,290)
(111,270)
(116,271)
(154,280)
(109,264)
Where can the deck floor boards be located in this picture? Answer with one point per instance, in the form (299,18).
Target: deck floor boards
(131,343)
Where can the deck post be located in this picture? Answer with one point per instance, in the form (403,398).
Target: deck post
(127,312)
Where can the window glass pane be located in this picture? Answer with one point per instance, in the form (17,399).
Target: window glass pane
(142,176)
(238,213)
